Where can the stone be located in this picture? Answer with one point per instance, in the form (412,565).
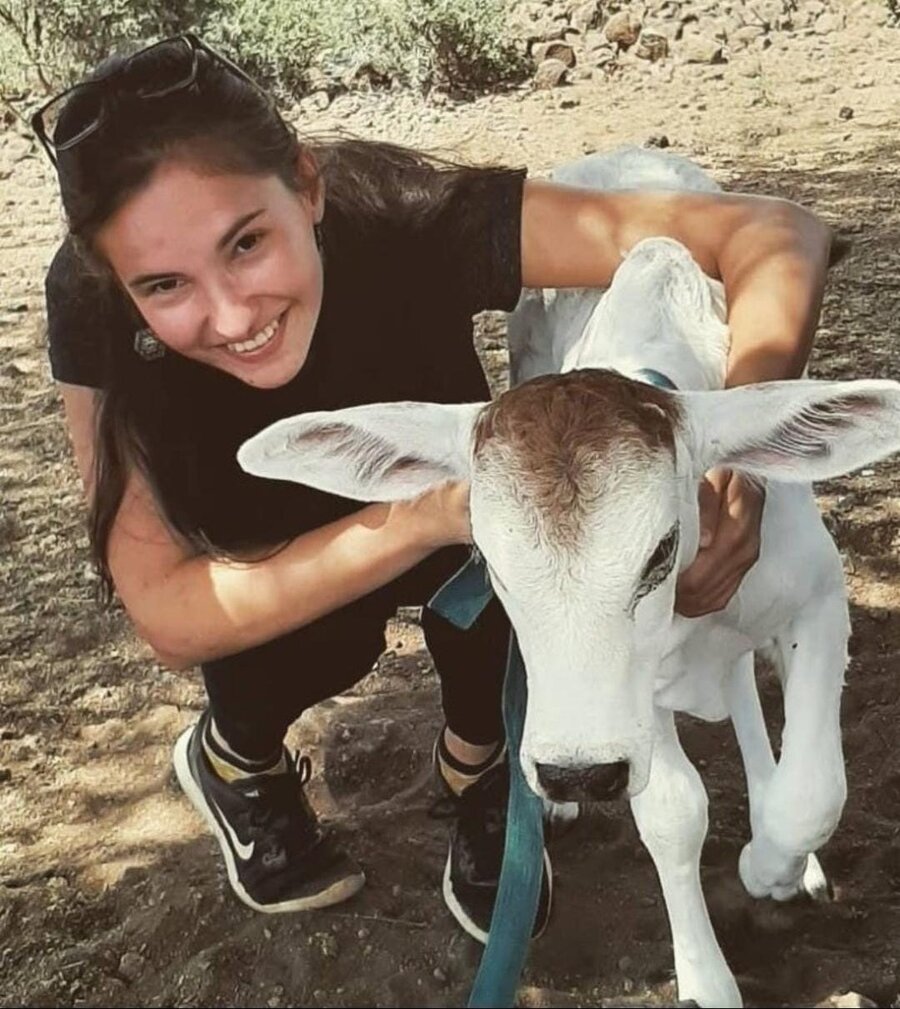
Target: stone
(827,23)
(623,29)
(320,100)
(602,57)
(16,147)
(585,16)
(848,1000)
(652,46)
(550,74)
(845,112)
(547,30)
(700,49)
(659,140)
(542,51)
(131,966)
(745,36)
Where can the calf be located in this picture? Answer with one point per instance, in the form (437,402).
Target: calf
(584,482)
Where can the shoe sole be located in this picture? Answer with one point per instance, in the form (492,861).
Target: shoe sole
(467,924)
(336,893)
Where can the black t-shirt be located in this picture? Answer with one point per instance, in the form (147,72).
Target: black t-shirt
(396,324)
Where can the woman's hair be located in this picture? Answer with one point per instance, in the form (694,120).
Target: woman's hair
(149,414)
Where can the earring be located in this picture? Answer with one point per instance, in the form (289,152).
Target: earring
(317,234)
(147,346)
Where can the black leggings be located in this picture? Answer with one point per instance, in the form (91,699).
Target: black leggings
(255,695)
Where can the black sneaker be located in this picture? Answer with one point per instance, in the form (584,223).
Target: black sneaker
(472,872)
(277,856)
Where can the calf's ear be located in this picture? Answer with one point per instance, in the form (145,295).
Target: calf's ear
(792,431)
(377,452)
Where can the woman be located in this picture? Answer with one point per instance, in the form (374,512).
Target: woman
(219,275)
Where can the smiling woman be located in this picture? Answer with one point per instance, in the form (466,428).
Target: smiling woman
(220,275)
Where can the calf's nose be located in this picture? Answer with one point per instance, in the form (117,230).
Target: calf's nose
(599,783)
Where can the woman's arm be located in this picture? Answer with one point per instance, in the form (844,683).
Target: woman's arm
(772,257)
(191,608)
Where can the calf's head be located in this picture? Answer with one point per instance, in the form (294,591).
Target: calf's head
(583,504)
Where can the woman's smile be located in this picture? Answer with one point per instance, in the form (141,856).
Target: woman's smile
(265,343)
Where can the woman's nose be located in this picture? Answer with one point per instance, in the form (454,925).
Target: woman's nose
(231,314)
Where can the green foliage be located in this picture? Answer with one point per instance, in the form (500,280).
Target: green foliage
(466,43)
(287,44)
(52,42)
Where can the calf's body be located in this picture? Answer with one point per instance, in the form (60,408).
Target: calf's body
(584,485)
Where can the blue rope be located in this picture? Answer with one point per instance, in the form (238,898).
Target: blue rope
(460,600)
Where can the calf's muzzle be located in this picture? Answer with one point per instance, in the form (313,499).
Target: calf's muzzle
(600,783)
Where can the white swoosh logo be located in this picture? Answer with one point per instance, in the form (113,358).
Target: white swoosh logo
(244,851)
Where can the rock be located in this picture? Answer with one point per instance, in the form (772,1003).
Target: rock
(602,57)
(550,74)
(542,51)
(320,100)
(652,46)
(697,48)
(845,112)
(827,23)
(657,140)
(742,37)
(16,147)
(131,966)
(585,16)
(364,74)
(623,29)
(849,1000)
(546,30)
(594,40)
(316,79)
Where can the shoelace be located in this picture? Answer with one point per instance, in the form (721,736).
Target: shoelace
(282,818)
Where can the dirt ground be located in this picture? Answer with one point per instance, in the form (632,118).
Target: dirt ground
(111,892)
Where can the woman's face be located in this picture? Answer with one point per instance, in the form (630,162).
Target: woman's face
(223,268)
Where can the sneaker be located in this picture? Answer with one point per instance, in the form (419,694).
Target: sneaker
(475,858)
(277,856)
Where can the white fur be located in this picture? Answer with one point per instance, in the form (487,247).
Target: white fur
(606,674)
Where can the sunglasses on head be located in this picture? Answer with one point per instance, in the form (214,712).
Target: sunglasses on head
(143,75)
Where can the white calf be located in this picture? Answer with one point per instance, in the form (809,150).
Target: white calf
(584,505)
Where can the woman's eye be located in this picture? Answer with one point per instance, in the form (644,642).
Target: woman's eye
(164,286)
(246,243)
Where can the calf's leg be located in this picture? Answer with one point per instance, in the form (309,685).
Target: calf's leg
(802,800)
(759,767)
(671,817)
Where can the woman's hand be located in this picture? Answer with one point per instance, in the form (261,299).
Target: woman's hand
(441,514)
(731,509)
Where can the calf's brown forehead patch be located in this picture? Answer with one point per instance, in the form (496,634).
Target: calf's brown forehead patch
(560,428)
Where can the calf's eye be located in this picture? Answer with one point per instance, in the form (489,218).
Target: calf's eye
(657,568)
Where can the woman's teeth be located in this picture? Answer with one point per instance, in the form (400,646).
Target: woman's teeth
(260,340)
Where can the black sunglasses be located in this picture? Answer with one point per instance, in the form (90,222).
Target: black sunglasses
(137,77)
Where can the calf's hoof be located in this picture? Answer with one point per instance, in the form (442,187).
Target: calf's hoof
(783,886)
(815,883)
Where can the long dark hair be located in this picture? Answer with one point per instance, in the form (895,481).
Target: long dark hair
(149,416)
